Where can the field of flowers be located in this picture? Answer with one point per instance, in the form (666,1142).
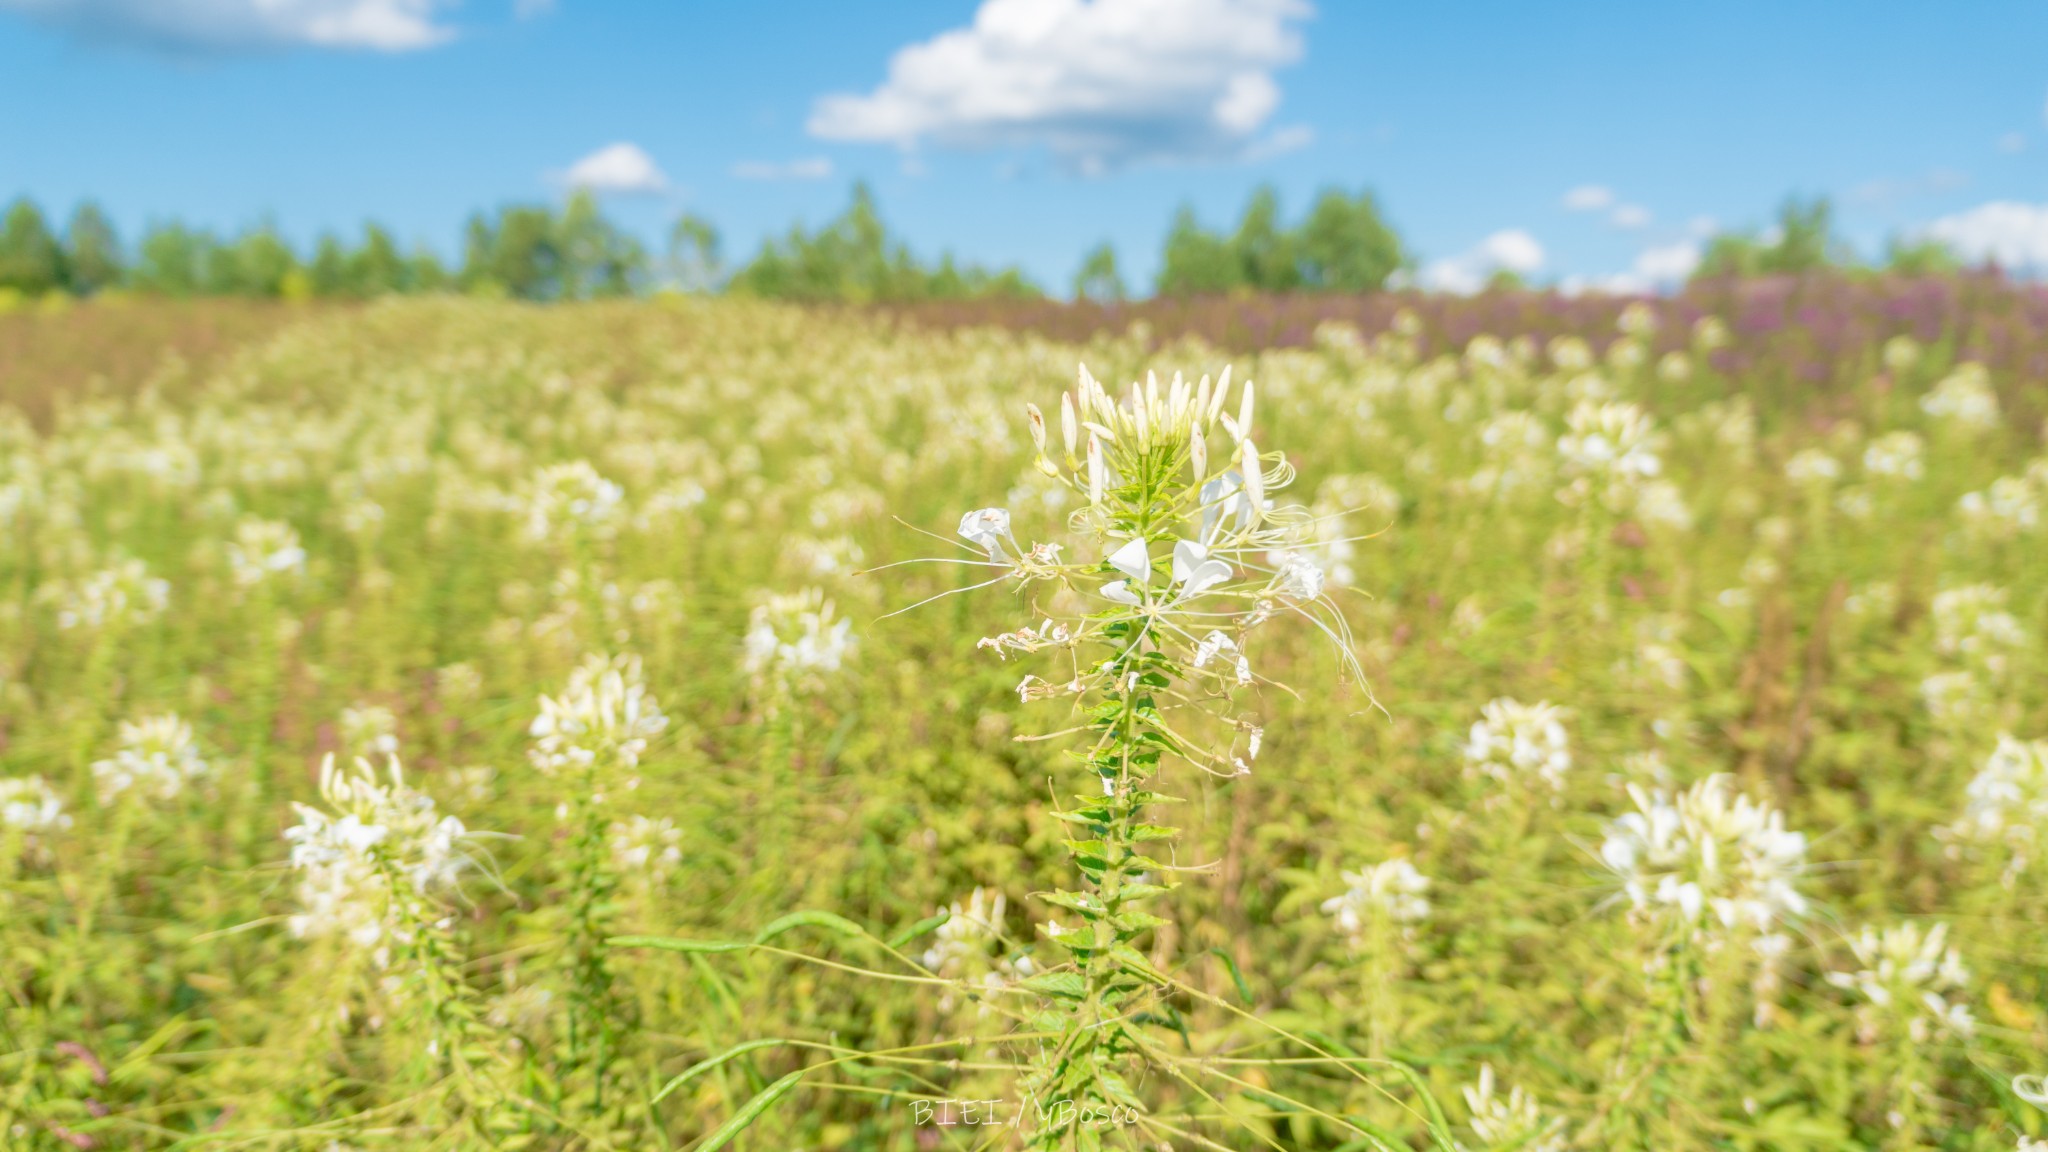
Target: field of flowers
(691,724)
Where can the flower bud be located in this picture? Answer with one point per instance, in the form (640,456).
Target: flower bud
(1198,452)
(1069,426)
(1037,426)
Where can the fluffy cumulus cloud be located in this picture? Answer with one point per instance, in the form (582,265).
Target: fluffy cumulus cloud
(1509,250)
(1656,268)
(242,25)
(808,168)
(621,168)
(1098,83)
(2013,234)
(1589,198)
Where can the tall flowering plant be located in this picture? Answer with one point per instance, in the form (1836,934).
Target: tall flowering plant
(1189,555)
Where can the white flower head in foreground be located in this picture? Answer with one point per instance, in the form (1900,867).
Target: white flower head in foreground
(263,550)
(1707,857)
(157,757)
(375,843)
(648,850)
(569,498)
(31,808)
(1511,1121)
(123,594)
(2008,799)
(798,640)
(604,714)
(1910,974)
(1514,742)
(1964,399)
(1391,890)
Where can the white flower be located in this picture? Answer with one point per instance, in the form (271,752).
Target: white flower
(966,936)
(1972,622)
(1812,466)
(1513,742)
(124,593)
(28,803)
(646,849)
(987,528)
(1707,851)
(1964,399)
(1392,889)
(1513,1122)
(262,549)
(2007,508)
(1911,974)
(157,757)
(798,639)
(604,713)
(369,729)
(2008,799)
(1215,645)
(572,497)
(1612,440)
(1895,454)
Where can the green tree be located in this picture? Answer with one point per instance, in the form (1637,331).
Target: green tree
(693,254)
(31,260)
(256,264)
(518,254)
(1099,279)
(1196,261)
(171,260)
(1264,251)
(377,268)
(1346,246)
(329,268)
(1921,256)
(424,271)
(854,259)
(598,259)
(92,251)
(1802,241)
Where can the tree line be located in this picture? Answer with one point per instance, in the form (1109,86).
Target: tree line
(546,252)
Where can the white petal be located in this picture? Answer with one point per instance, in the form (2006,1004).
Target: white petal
(1132,560)
(1120,591)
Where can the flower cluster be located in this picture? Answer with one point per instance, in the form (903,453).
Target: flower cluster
(30,807)
(647,849)
(1707,851)
(1510,1122)
(375,844)
(2007,801)
(571,498)
(123,594)
(799,640)
(263,550)
(1971,622)
(1390,891)
(605,713)
(1610,449)
(157,757)
(1516,743)
(1895,456)
(1910,973)
(1964,399)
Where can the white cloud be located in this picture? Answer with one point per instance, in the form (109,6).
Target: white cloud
(1098,83)
(531,9)
(620,167)
(1702,226)
(1629,216)
(2007,231)
(810,168)
(1654,269)
(1509,250)
(1589,198)
(243,25)
(2012,142)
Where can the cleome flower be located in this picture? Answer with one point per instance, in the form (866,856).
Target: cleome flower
(798,640)
(1964,399)
(263,550)
(1705,858)
(1895,455)
(569,498)
(365,857)
(1611,442)
(2007,801)
(157,757)
(1512,1121)
(31,809)
(1514,742)
(1391,890)
(1911,974)
(647,850)
(605,713)
(123,594)
(1971,622)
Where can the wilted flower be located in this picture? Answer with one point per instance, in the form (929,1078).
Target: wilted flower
(157,757)
(1515,743)
(1391,890)
(1510,1122)
(604,713)
(1912,974)
(1704,851)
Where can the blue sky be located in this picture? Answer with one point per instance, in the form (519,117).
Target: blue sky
(1036,128)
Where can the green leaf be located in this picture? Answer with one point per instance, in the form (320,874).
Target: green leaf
(918,929)
(1244,990)
(671,944)
(745,1117)
(1064,985)
(1153,832)
(706,1065)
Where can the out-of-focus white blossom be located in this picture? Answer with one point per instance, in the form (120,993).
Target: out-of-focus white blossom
(1911,974)
(1391,890)
(798,640)
(156,757)
(1519,743)
(2009,507)
(1707,856)
(1964,399)
(604,714)
(1896,456)
(369,730)
(646,850)
(1971,623)
(1812,466)
(30,806)
(123,594)
(2007,801)
(1513,1121)
(263,550)
(571,498)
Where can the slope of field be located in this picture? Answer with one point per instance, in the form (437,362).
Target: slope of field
(1688,798)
